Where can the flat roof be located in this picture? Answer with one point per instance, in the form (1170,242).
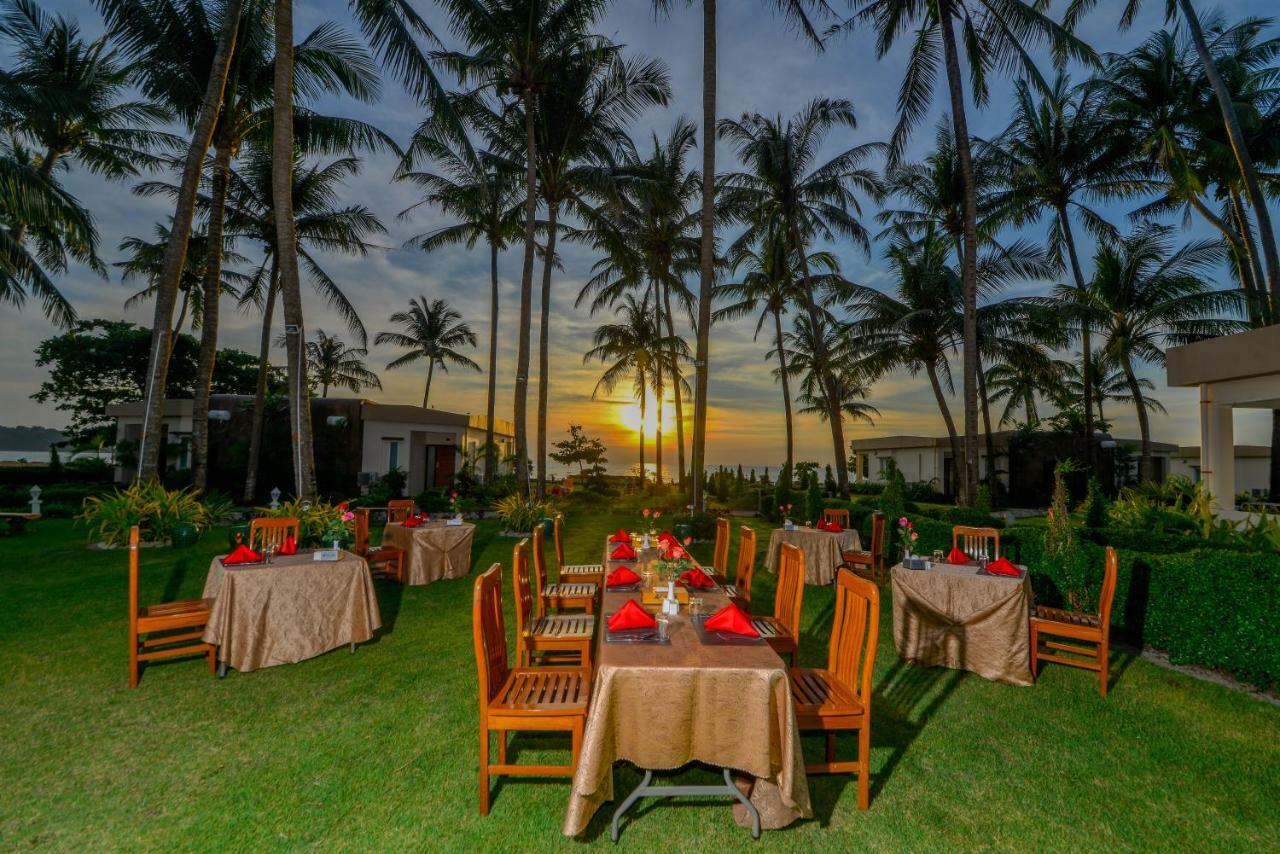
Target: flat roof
(1255,353)
(1257,452)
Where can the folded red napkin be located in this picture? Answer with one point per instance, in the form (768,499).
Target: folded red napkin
(621,577)
(623,551)
(631,616)
(1003,566)
(242,554)
(675,552)
(695,578)
(833,527)
(731,619)
(667,538)
(957,557)
(620,536)
(288,547)
(411,521)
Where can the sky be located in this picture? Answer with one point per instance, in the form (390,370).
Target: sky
(763,67)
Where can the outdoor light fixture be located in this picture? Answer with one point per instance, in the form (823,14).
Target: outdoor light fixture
(1105,441)
(291,329)
(336,421)
(219,415)
(35,499)
(275,498)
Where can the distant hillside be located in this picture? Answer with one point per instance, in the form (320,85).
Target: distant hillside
(28,438)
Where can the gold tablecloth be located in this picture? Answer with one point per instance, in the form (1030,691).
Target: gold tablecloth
(951,616)
(823,550)
(433,550)
(290,610)
(661,707)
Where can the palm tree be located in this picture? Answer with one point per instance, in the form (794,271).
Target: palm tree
(1015,385)
(1152,296)
(1110,384)
(784,186)
(996,34)
(850,381)
(482,193)
(433,332)
(333,363)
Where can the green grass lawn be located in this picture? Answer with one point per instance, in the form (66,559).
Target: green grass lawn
(378,749)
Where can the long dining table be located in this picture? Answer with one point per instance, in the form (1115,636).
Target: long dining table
(661,707)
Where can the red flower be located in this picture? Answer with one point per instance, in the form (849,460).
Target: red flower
(342,505)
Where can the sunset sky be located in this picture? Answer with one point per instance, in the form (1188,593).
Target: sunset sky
(764,68)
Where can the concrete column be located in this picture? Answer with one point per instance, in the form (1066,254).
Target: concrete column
(1217,449)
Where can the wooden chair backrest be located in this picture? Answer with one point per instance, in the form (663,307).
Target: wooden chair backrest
(746,561)
(539,568)
(839,515)
(854,632)
(786,600)
(133,581)
(1108,592)
(362,530)
(559,532)
(489,634)
(877,535)
(720,558)
(971,540)
(399,509)
(520,585)
(273,531)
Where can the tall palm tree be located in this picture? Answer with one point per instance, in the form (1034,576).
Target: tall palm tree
(785,186)
(997,34)
(850,381)
(1154,295)
(333,363)
(481,193)
(1016,385)
(145,260)
(433,332)
(1110,385)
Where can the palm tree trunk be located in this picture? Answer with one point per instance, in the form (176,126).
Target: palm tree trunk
(1253,189)
(642,412)
(706,275)
(426,394)
(544,357)
(1086,350)
(675,385)
(182,318)
(941,399)
(175,252)
(287,252)
(786,389)
(260,391)
(1029,401)
(490,450)
(324,389)
(521,404)
(969,264)
(212,291)
(1146,468)
(658,392)
(1255,282)
(986,427)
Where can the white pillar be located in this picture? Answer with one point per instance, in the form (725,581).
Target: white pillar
(1217,449)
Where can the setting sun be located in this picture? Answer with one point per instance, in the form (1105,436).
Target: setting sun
(629,416)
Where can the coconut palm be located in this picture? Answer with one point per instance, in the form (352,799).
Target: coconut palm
(997,34)
(1110,385)
(1152,295)
(433,332)
(333,363)
(482,194)
(783,185)
(850,381)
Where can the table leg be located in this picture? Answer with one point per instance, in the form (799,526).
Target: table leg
(222,669)
(353,649)
(646,790)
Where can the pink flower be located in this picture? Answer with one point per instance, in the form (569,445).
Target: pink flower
(914,536)
(688,541)
(453,494)
(645,512)
(902,521)
(348,516)
(657,513)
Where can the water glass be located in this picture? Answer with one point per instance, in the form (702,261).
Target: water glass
(663,626)
(695,606)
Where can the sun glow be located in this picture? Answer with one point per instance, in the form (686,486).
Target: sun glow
(629,416)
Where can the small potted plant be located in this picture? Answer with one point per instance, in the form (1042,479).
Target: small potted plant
(907,530)
(338,531)
(785,511)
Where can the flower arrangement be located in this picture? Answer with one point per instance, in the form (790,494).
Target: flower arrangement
(909,534)
(785,511)
(339,531)
(650,521)
(453,503)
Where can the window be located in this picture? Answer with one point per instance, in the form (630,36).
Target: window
(393,453)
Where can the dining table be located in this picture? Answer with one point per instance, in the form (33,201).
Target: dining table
(662,706)
(962,617)
(434,549)
(290,609)
(823,550)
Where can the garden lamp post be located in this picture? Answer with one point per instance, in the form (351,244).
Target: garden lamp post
(275,498)
(35,500)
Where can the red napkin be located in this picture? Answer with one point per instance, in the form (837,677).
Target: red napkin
(731,619)
(695,578)
(667,538)
(288,547)
(620,536)
(631,616)
(242,554)
(623,552)
(957,557)
(1003,566)
(621,577)
(833,527)
(676,552)
(411,522)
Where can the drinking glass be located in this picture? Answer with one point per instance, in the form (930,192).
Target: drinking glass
(663,626)
(695,606)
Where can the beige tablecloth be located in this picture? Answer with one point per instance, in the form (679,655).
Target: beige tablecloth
(433,550)
(822,550)
(661,707)
(953,617)
(291,610)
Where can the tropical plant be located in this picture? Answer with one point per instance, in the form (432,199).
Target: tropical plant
(333,363)
(433,333)
(845,375)
(147,504)
(519,514)
(317,520)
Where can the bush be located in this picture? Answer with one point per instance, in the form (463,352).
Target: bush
(813,501)
(315,518)
(155,510)
(866,487)
(782,496)
(969,516)
(1095,510)
(922,490)
(520,515)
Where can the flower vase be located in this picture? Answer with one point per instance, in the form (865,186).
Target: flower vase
(337,545)
(644,542)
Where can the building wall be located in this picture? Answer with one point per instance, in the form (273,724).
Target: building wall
(1253,474)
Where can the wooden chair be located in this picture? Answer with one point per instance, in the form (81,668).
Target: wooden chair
(839,515)
(520,698)
(386,560)
(399,509)
(745,568)
(552,637)
(976,541)
(266,531)
(839,697)
(580,572)
(782,630)
(172,629)
(720,558)
(563,595)
(870,563)
(1080,627)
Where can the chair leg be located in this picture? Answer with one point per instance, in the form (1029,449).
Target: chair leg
(1035,649)
(1103,666)
(133,661)
(864,766)
(484,770)
(213,661)
(502,746)
(831,747)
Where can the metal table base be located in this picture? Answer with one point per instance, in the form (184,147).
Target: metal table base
(647,790)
